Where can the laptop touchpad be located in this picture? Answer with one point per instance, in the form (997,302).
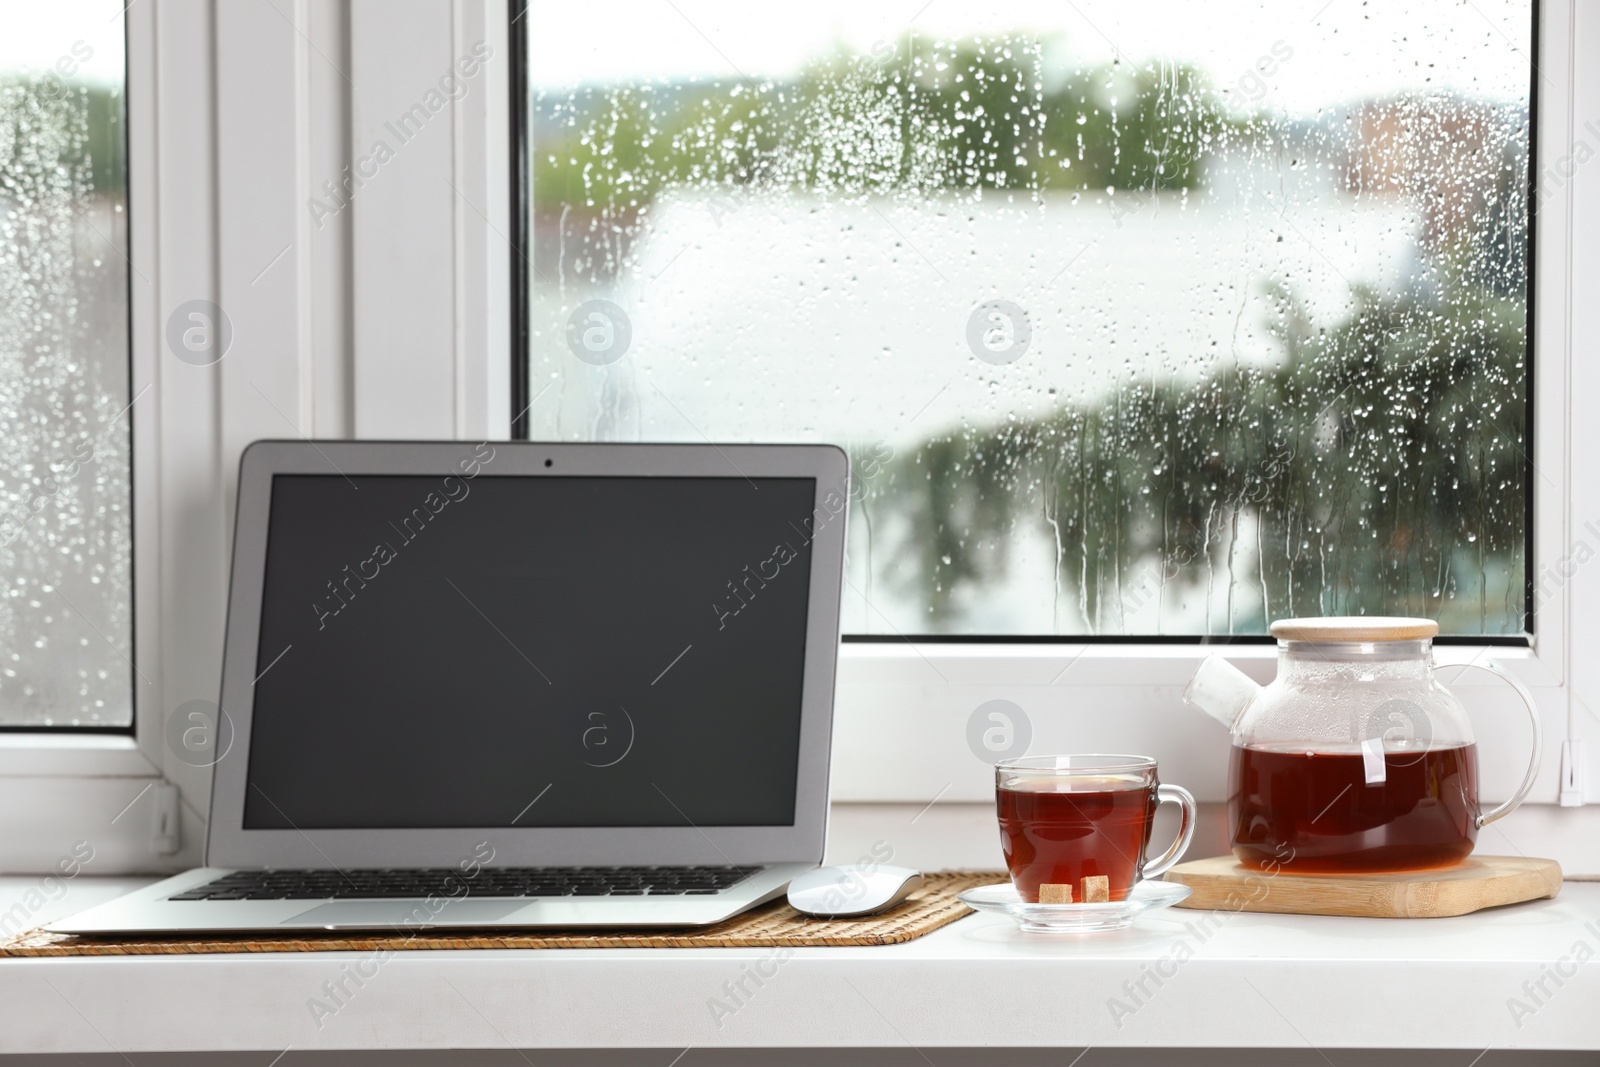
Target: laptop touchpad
(406,914)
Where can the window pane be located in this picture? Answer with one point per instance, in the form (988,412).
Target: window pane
(66,583)
(1139,318)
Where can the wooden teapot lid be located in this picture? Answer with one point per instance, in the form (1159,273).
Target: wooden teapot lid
(1355,628)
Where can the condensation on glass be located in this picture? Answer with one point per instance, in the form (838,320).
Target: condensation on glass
(1138,318)
(66,622)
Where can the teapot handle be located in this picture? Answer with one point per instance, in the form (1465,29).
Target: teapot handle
(1533,720)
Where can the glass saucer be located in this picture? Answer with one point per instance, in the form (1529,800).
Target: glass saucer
(1074,918)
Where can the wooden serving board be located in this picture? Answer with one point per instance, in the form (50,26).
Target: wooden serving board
(1222,884)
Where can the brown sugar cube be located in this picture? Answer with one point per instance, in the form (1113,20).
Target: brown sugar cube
(1055,893)
(1096,889)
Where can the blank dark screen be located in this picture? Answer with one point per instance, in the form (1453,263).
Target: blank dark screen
(530,651)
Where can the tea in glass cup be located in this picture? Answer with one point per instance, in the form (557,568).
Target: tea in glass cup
(1075,829)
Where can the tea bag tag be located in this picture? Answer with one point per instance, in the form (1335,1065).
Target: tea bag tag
(1372,760)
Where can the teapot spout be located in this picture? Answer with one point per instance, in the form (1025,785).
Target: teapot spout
(1221,690)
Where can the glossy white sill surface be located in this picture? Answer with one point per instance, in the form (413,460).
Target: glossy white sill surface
(1263,981)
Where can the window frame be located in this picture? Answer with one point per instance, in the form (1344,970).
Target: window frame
(1146,677)
(521,395)
(890,687)
(57,782)
(890,684)
(236,115)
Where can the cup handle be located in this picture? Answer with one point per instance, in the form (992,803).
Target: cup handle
(1533,720)
(1173,794)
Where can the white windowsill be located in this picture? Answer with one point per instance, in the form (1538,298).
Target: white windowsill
(1332,983)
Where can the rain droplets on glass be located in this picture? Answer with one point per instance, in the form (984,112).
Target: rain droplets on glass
(1277,361)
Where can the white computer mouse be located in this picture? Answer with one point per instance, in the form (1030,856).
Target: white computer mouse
(855,889)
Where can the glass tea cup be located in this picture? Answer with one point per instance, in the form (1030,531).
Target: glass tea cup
(1079,825)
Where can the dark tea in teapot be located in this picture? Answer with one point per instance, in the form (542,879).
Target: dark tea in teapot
(1356,758)
(1420,813)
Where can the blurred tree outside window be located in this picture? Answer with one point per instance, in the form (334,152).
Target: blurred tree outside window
(1138,318)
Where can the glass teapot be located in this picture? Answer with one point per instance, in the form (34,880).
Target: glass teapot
(1355,758)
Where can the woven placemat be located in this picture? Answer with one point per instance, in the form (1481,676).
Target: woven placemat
(771,925)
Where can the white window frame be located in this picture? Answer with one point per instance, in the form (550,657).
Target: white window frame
(912,701)
(391,320)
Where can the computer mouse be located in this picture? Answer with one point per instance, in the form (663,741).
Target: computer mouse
(855,889)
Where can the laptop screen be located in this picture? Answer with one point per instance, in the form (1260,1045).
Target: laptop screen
(530,651)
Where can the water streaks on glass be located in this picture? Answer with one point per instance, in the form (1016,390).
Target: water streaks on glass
(66,631)
(1169,319)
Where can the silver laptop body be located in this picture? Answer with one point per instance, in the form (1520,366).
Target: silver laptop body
(516,685)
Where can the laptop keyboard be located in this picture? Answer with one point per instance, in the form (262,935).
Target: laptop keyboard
(488,882)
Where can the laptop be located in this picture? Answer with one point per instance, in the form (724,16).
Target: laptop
(508,685)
